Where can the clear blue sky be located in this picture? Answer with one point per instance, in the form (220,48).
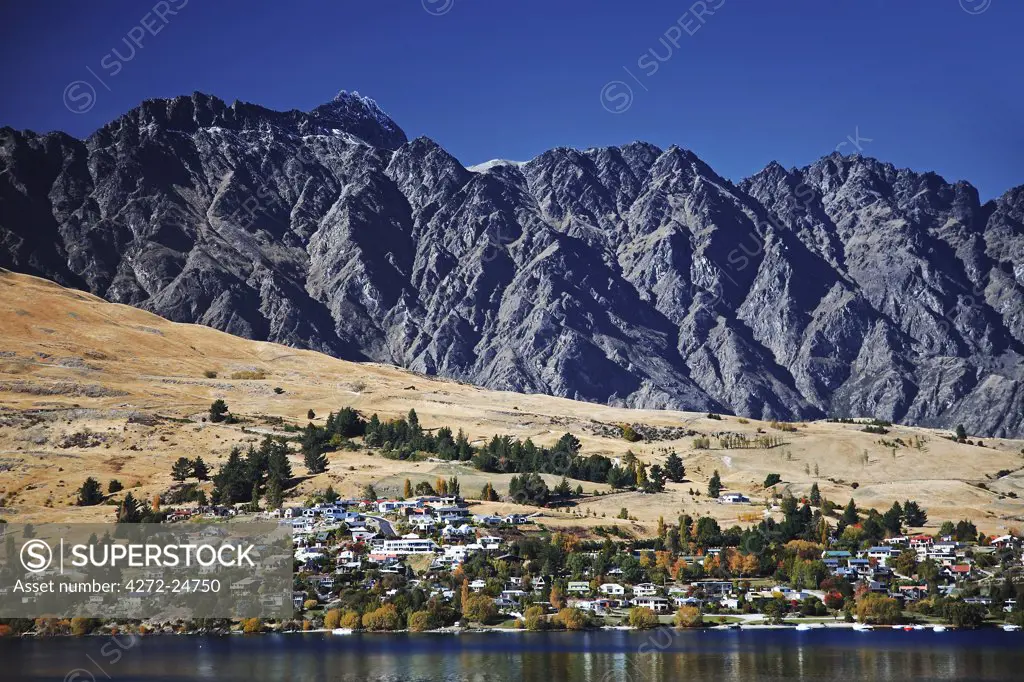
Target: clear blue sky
(932,86)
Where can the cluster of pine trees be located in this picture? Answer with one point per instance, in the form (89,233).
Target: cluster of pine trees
(505,455)
(263,471)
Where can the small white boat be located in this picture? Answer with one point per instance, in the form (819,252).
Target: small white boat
(862,627)
(341,631)
(803,627)
(919,627)
(939,628)
(1009,627)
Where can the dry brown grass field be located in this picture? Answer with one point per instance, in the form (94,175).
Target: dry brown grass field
(90,388)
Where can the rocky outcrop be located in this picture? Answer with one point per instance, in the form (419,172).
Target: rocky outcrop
(629,275)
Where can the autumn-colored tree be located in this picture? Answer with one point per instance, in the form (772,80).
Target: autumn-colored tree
(82,626)
(642,618)
(804,549)
(351,620)
(573,619)
(662,528)
(464,596)
(332,619)
(407,489)
(534,618)
(567,542)
(441,486)
(421,621)
(479,608)
(556,597)
(689,617)
(384,618)
(877,608)
(251,626)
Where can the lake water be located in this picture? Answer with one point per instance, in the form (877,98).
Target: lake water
(717,656)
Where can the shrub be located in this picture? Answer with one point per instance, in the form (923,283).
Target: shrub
(278,390)
(701,443)
(252,626)
(630,434)
(712,415)
(642,618)
(689,617)
(772,479)
(115,486)
(210,374)
(249,374)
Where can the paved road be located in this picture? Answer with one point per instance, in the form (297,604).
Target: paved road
(384,525)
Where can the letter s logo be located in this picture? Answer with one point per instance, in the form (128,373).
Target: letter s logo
(36,556)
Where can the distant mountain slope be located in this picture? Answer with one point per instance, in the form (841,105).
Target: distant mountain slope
(628,275)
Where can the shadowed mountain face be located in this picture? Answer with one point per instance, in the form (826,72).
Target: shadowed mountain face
(628,275)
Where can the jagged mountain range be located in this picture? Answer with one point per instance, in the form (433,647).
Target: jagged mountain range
(629,275)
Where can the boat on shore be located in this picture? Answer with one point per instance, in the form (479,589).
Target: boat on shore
(1010,627)
(341,631)
(939,628)
(863,627)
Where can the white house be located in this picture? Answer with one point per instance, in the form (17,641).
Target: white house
(578,587)
(362,534)
(422,522)
(645,590)
(515,519)
(612,589)
(656,604)
(490,543)
(734,498)
(460,531)
(478,585)
(409,544)
(305,554)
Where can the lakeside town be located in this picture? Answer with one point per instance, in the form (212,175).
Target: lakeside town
(431,557)
(434,559)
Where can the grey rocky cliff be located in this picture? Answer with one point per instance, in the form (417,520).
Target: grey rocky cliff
(629,275)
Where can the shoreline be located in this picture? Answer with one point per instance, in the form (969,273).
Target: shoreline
(506,630)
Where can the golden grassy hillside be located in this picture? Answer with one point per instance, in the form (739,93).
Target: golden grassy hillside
(82,379)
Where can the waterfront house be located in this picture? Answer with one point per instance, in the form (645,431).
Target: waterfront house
(612,589)
(656,604)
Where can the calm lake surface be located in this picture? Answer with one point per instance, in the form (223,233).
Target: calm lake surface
(718,656)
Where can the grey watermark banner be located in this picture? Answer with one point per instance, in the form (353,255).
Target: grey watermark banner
(146,571)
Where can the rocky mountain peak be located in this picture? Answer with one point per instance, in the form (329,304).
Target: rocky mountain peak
(628,275)
(362,117)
